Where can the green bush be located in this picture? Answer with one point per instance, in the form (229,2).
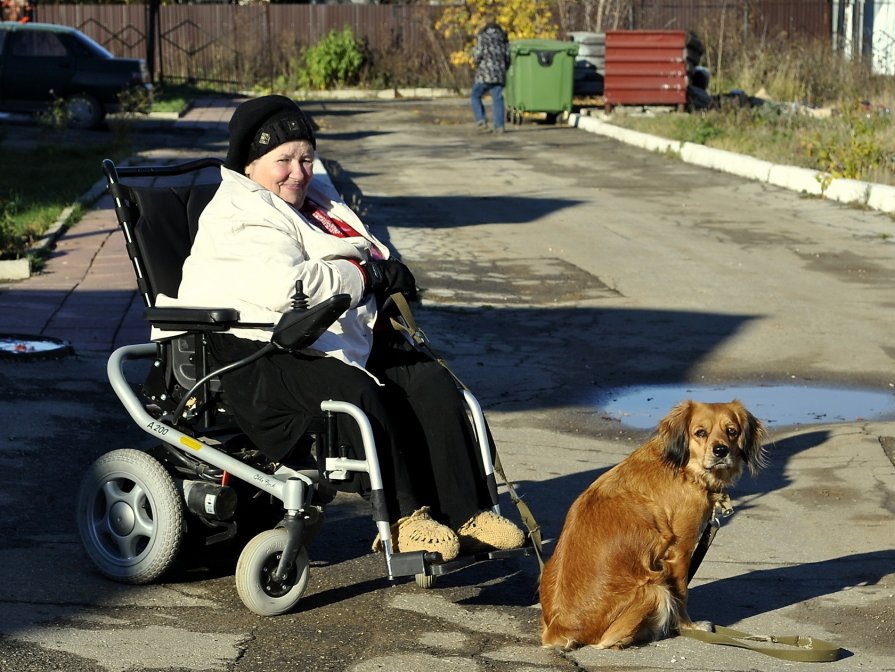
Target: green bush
(17,230)
(850,147)
(135,101)
(335,60)
(56,116)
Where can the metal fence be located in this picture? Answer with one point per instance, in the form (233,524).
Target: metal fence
(242,46)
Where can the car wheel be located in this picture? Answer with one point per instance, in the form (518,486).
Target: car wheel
(84,111)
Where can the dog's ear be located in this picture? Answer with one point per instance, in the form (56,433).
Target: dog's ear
(674,434)
(752,439)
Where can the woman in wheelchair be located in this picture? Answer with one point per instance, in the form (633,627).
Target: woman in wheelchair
(270,225)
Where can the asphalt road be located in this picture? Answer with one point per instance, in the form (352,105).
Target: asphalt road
(559,268)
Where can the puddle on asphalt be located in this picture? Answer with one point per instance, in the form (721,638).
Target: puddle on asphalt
(775,405)
(21,346)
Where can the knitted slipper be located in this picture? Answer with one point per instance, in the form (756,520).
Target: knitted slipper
(419,532)
(487,531)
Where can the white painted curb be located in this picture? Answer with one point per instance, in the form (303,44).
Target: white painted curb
(15,269)
(636,138)
(881,197)
(729,162)
(805,180)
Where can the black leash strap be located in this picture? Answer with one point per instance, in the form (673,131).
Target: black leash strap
(412,329)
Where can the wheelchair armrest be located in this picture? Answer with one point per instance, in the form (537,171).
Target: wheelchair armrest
(191,319)
(298,329)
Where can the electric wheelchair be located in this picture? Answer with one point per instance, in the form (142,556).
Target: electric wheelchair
(137,508)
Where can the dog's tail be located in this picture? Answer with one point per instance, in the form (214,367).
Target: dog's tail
(664,619)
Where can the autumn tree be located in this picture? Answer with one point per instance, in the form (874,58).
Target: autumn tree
(521,19)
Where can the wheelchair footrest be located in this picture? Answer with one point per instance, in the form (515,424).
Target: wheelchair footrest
(409,564)
(439,569)
(420,562)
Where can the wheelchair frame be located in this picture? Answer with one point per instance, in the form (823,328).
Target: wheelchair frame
(121,515)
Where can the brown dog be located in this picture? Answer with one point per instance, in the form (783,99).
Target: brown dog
(619,572)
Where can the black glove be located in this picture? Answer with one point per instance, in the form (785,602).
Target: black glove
(388,276)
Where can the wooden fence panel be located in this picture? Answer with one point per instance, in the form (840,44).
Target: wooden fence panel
(241,46)
(119,28)
(235,45)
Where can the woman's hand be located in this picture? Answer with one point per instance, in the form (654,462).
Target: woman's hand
(388,276)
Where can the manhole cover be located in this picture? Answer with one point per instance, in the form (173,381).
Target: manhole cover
(21,346)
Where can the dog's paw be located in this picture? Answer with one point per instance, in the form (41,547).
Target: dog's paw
(708,626)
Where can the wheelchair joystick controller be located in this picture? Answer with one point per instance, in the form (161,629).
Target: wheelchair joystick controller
(302,324)
(299,299)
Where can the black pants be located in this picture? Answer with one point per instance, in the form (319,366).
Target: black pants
(427,450)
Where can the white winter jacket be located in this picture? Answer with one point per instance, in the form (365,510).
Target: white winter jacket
(251,248)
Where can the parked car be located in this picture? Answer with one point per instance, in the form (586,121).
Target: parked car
(41,63)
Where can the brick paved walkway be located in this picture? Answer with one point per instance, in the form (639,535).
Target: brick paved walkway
(86,293)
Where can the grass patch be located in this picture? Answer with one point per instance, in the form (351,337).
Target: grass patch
(821,110)
(853,142)
(174,97)
(37,185)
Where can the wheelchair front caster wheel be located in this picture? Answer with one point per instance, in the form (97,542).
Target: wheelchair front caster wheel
(254,582)
(425,580)
(130,516)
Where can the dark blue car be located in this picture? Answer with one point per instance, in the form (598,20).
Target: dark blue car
(41,63)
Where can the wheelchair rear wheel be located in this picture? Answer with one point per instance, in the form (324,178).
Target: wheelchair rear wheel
(130,516)
(254,583)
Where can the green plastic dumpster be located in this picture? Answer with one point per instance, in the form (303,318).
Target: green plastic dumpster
(540,78)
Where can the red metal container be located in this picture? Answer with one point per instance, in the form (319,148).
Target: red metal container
(645,67)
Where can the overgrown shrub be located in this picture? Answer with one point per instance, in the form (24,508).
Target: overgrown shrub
(134,101)
(849,146)
(396,65)
(14,239)
(56,116)
(334,61)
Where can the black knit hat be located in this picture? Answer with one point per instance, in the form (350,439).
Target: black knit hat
(262,124)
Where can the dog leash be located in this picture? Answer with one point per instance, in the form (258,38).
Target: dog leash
(787,647)
(725,508)
(419,338)
(791,647)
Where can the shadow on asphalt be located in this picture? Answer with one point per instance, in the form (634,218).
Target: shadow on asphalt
(764,590)
(551,499)
(437,212)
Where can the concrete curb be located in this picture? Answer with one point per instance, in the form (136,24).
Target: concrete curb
(805,180)
(20,269)
(370,94)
